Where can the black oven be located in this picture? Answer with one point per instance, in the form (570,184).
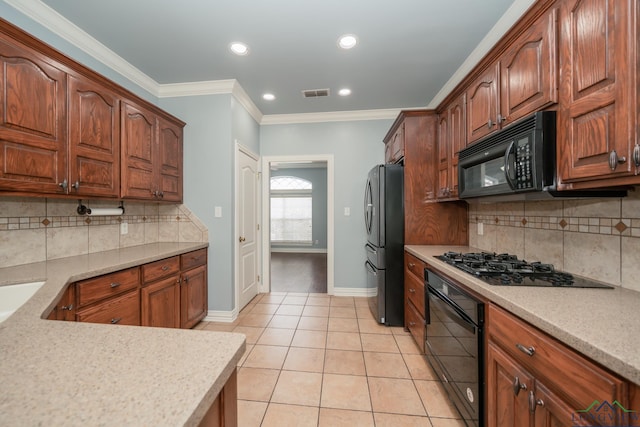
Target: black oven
(454,345)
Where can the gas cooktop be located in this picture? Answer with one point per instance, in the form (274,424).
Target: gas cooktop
(508,270)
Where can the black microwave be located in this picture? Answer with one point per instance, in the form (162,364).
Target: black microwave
(516,163)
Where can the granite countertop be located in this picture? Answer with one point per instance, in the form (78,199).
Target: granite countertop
(602,324)
(69,373)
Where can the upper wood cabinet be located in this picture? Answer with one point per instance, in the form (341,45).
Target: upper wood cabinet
(482,104)
(528,70)
(452,137)
(94,139)
(523,80)
(151,155)
(33,115)
(67,131)
(394,146)
(597,130)
(425,221)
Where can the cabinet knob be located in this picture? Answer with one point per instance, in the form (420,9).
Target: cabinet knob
(501,118)
(115,320)
(614,160)
(63,185)
(517,386)
(534,403)
(490,123)
(76,185)
(636,155)
(186,279)
(412,291)
(412,323)
(529,351)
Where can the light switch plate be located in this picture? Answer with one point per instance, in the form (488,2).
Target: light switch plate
(124,227)
(480,229)
(347,211)
(218,212)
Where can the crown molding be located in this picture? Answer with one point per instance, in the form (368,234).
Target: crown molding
(211,87)
(243,98)
(59,25)
(506,21)
(333,116)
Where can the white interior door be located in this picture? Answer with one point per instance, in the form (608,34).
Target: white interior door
(247,228)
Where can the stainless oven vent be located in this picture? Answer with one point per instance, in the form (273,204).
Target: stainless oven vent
(315,93)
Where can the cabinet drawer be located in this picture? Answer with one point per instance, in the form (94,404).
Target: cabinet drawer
(92,290)
(193,259)
(414,322)
(414,292)
(163,268)
(553,362)
(122,310)
(414,266)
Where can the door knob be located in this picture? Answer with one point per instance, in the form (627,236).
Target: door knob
(242,239)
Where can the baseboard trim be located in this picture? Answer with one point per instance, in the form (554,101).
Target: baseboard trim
(221,316)
(301,250)
(354,292)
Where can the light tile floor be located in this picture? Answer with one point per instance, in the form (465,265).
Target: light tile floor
(323,361)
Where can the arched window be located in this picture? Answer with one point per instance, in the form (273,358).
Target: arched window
(291,210)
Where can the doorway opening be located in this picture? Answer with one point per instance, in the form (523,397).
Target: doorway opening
(298,224)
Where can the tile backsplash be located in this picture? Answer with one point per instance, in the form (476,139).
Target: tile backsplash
(33,230)
(595,238)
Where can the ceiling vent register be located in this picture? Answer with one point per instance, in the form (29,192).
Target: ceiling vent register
(315,93)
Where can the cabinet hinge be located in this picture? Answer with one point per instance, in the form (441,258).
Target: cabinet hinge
(258,227)
(258,278)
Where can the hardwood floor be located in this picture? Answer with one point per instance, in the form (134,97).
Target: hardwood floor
(298,272)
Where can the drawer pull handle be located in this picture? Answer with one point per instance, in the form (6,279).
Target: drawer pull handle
(186,279)
(529,351)
(67,307)
(412,291)
(115,320)
(534,403)
(517,386)
(165,267)
(411,265)
(115,284)
(412,323)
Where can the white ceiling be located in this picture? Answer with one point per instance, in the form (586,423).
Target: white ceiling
(408,51)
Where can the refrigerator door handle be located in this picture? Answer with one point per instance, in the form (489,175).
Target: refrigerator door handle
(371,269)
(370,249)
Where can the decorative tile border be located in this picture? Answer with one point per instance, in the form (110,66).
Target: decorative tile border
(608,226)
(37,222)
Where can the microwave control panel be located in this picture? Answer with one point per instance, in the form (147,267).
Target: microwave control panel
(524,164)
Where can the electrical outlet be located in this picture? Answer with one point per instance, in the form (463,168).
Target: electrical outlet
(480,229)
(124,228)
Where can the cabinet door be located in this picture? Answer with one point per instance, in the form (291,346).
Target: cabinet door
(170,161)
(138,139)
(443,156)
(482,105)
(193,296)
(508,386)
(94,139)
(457,139)
(528,70)
(550,410)
(33,129)
(161,303)
(594,118)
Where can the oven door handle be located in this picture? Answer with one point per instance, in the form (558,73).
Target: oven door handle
(459,316)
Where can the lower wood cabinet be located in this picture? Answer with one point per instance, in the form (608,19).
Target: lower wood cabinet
(169,293)
(224,410)
(533,380)
(414,299)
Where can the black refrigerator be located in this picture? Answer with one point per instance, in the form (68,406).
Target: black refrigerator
(384,223)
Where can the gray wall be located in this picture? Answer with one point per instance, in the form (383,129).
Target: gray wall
(318,178)
(356,147)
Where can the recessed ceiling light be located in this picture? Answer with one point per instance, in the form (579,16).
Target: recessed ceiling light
(239,48)
(268,97)
(344,92)
(347,41)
